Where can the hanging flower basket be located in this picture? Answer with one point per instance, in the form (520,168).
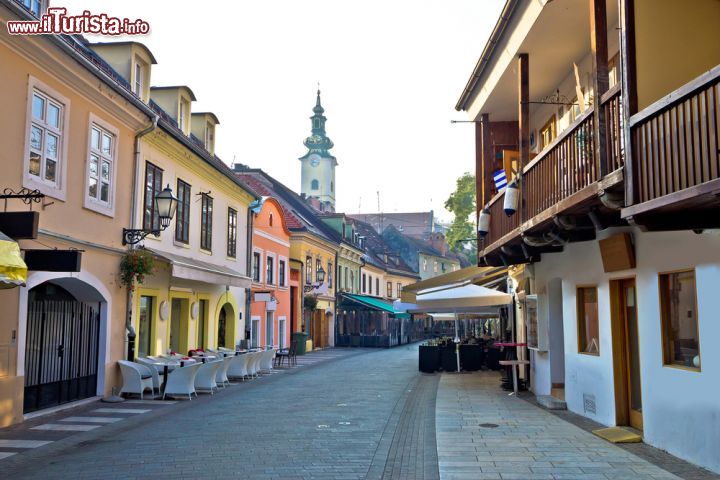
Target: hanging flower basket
(310,302)
(134,266)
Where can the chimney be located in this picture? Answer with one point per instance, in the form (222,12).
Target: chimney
(437,240)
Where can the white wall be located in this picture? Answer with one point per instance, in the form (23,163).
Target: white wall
(681,409)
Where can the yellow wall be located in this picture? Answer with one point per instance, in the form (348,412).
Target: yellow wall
(676,41)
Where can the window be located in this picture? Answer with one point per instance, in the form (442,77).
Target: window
(256,267)
(138,86)
(270,221)
(389,289)
(269,320)
(281,332)
(153,186)
(587,318)
(678,312)
(435,266)
(101,165)
(442,266)
(364,284)
(424,264)
(46,136)
(318,266)
(575,109)
(329,275)
(182,224)
(308,270)
(232,233)
(315,185)
(206,222)
(399,289)
(614,70)
(270,270)
(35,6)
(370,284)
(548,133)
(345,282)
(377,286)
(281,273)
(181,115)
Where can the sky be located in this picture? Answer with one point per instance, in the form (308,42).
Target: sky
(390,72)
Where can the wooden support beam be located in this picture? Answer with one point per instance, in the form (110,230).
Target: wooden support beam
(628,72)
(488,154)
(601,81)
(523,125)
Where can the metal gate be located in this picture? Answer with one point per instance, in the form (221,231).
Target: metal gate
(61,355)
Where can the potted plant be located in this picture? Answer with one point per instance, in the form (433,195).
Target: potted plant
(134,266)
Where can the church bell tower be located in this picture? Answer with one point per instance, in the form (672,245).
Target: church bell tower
(318,165)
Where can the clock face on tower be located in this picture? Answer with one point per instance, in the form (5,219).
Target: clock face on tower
(314,159)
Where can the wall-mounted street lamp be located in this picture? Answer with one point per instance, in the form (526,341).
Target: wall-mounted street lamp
(320,276)
(165,206)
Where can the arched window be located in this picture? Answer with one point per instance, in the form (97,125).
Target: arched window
(315,185)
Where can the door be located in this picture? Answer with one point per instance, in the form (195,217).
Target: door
(61,355)
(145,331)
(626,354)
(222,321)
(281,332)
(269,319)
(175,320)
(202,323)
(255,332)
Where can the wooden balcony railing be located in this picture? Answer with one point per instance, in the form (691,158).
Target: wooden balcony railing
(614,137)
(500,224)
(675,141)
(566,166)
(563,168)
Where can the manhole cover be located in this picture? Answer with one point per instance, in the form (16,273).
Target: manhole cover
(489,425)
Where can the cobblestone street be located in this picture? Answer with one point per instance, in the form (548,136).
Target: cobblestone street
(343,414)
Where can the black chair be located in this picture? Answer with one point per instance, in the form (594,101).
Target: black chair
(289,353)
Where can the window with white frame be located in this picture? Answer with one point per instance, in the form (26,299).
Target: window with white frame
(256,267)
(270,270)
(138,85)
(101,165)
(282,275)
(46,137)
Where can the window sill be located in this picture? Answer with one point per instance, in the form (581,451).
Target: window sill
(206,252)
(57,193)
(684,368)
(96,207)
(588,354)
(180,244)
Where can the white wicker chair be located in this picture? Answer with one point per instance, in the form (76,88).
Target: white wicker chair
(181,381)
(257,363)
(136,378)
(154,369)
(266,361)
(252,362)
(221,377)
(238,367)
(205,378)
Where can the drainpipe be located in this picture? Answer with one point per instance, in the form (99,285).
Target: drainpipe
(248,267)
(133,222)
(337,297)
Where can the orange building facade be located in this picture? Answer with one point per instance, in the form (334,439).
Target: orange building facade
(270,309)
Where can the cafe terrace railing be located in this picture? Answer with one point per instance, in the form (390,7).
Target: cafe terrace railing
(675,140)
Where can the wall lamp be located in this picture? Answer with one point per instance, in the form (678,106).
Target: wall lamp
(165,205)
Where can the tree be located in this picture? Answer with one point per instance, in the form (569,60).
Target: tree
(461,204)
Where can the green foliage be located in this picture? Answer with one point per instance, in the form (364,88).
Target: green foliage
(134,266)
(310,302)
(462,204)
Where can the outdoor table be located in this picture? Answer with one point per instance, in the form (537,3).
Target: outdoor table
(510,350)
(512,364)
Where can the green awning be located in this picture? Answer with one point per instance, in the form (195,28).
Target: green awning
(375,304)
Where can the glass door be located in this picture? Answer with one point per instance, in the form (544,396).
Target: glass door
(145,330)
(269,340)
(254,332)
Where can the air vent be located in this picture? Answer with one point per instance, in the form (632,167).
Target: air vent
(589,405)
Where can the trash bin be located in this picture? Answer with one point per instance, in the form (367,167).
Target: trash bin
(301,339)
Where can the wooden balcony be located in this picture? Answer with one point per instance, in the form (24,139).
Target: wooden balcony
(565,181)
(675,175)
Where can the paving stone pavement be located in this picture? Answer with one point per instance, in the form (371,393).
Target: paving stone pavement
(484,434)
(322,421)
